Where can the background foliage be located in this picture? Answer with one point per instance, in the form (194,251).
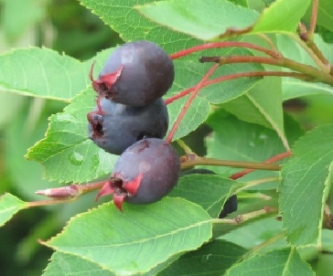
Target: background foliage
(47,48)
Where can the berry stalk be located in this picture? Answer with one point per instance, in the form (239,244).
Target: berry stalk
(269,161)
(313,22)
(189,102)
(216,45)
(306,41)
(248,216)
(65,194)
(197,160)
(311,71)
(187,91)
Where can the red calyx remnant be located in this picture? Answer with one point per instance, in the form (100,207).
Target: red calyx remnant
(120,189)
(103,85)
(96,120)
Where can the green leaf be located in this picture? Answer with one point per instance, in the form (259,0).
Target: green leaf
(121,242)
(194,117)
(9,206)
(240,2)
(43,73)
(225,91)
(233,139)
(66,153)
(245,206)
(256,106)
(256,233)
(325,34)
(293,88)
(68,265)
(211,259)
(282,16)
(126,20)
(202,19)
(327,240)
(306,179)
(209,191)
(209,20)
(276,263)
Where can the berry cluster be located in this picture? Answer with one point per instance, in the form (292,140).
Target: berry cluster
(130,119)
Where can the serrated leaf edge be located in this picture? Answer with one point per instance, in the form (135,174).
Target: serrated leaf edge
(45,243)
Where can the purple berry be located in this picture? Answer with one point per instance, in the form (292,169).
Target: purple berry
(144,173)
(118,126)
(136,74)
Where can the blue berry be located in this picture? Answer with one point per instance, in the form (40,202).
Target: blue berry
(144,173)
(136,74)
(114,127)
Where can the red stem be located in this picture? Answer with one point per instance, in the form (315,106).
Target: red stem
(241,59)
(92,186)
(236,76)
(313,21)
(311,71)
(225,44)
(189,102)
(269,161)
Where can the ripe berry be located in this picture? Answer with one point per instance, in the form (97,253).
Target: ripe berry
(144,173)
(116,126)
(230,205)
(136,74)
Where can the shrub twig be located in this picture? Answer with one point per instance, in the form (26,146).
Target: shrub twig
(269,161)
(189,102)
(225,44)
(187,91)
(313,72)
(192,161)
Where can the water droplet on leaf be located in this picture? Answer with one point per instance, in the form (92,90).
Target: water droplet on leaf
(76,158)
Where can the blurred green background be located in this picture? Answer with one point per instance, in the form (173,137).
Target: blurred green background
(66,26)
